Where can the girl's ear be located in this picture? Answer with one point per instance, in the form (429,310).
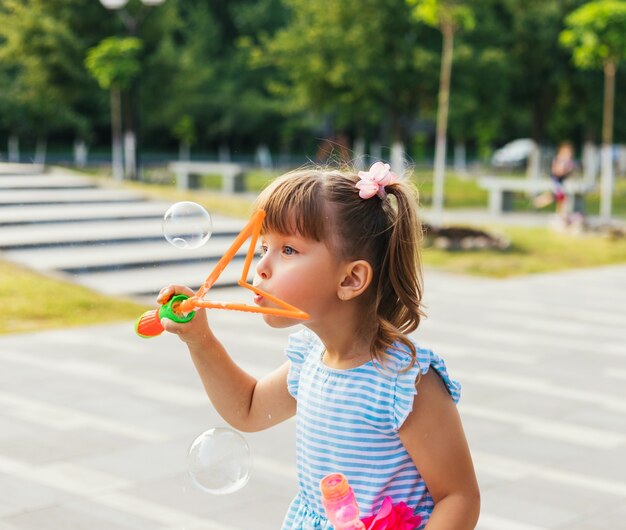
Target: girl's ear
(356,279)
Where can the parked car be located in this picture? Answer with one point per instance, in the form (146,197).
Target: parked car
(513,154)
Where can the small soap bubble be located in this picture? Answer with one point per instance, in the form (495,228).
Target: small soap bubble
(187,225)
(219,461)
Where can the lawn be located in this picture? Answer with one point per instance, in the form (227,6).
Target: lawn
(34,302)
(532,250)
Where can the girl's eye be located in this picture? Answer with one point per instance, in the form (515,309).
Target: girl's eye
(289,251)
(263,250)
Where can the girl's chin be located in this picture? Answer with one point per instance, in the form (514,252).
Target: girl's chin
(274,321)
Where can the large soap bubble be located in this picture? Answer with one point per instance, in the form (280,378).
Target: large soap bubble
(219,461)
(187,225)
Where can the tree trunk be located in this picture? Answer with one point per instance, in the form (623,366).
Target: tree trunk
(129,124)
(130,154)
(358,153)
(376,151)
(184,151)
(224,153)
(533,165)
(14,148)
(40,151)
(80,152)
(447,32)
(606,187)
(590,163)
(117,161)
(460,158)
(264,156)
(397,157)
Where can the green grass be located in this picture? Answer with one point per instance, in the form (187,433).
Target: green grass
(459,192)
(533,250)
(464,192)
(213,201)
(35,302)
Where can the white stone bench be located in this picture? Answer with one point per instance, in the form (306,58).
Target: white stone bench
(502,190)
(188,173)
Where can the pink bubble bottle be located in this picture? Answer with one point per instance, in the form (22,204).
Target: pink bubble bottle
(341,507)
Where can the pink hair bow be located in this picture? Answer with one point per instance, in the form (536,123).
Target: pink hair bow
(373,182)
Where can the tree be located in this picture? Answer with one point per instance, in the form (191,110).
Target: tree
(481,83)
(114,64)
(596,34)
(43,85)
(351,66)
(448,16)
(206,55)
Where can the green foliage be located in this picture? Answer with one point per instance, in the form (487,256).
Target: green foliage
(114,63)
(285,72)
(43,86)
(596,33)
(205,56)
(184,129)
(355,70)
(438,13)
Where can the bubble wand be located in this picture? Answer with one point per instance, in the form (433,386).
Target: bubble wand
(181,308)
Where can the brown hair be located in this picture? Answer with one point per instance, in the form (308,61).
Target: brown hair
(324,205)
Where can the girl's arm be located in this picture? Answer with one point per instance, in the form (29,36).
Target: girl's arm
(245,403)
(434,437)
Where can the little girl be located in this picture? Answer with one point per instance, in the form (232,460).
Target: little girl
(369,402)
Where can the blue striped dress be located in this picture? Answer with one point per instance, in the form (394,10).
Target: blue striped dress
(347,421)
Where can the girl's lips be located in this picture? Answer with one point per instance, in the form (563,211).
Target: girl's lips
(258,299)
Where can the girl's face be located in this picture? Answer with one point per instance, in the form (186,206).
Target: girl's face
(302,272)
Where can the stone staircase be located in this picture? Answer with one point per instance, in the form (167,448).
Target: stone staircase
(102,237)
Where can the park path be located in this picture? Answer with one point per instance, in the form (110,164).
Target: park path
(95,423)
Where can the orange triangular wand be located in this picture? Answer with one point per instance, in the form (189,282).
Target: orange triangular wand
(256,224)
(255,221)
(252,230)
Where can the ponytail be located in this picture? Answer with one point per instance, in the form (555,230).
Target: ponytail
(399,288)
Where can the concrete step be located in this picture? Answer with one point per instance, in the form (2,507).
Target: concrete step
(107,239)
(15,168)
(131,255)
(44,182)
(148,281)
(19,197)
(81,213)
(97,232)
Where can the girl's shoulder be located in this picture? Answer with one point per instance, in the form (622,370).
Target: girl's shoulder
(399,358)
(407,368)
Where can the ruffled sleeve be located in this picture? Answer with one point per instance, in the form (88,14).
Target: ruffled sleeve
(405,384)
(299,345)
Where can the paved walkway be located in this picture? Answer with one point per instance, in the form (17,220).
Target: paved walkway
(95,423)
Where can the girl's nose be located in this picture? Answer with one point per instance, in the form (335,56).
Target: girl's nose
(262,268)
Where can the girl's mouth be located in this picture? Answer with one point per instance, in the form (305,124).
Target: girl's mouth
(258,299)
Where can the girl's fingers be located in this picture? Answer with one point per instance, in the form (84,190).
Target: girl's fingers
(164,295)
(170,326)
(167,292)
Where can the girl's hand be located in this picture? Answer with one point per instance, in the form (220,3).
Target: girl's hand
(196,331)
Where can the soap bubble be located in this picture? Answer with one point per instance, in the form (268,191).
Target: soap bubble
(187,225)
(219,461)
